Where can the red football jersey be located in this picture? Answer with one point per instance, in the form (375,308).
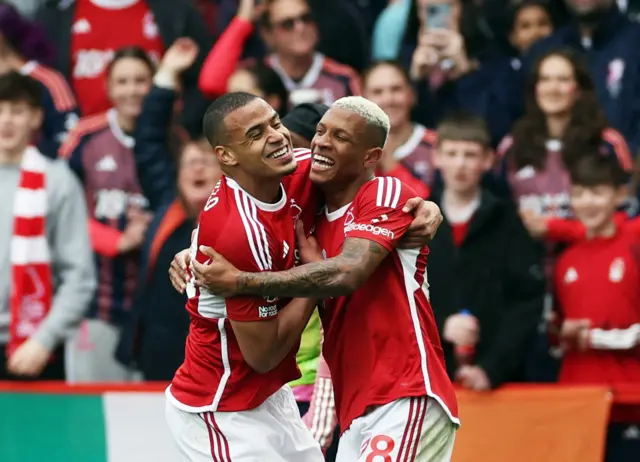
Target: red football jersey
(93,44)
(599,280)
(381,342)
(253,236)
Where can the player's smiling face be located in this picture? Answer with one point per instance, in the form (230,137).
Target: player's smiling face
(339,152)
(258,143)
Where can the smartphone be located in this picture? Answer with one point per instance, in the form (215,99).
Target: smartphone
(438,16)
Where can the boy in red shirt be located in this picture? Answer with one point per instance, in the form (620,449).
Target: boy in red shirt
(597,282)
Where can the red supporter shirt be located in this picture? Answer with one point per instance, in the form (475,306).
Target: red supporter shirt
(253,236)
(459,232)
(417,153)
(93,44)
(599,279)
(381,342)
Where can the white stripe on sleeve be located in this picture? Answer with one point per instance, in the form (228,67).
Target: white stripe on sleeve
(248,231)
(615,339)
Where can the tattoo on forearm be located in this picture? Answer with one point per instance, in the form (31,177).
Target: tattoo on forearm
(334,277)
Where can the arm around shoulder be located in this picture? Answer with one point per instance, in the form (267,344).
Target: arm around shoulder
(264,343)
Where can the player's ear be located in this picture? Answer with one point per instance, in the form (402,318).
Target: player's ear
(372,157)
(225,156)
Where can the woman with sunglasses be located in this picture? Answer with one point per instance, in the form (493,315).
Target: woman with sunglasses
(289,29)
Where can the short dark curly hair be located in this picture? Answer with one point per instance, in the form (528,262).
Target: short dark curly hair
(15,87)
(213,123)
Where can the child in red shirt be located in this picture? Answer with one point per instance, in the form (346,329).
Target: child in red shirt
(597,282)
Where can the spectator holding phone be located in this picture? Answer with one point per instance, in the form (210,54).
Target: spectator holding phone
(455,66)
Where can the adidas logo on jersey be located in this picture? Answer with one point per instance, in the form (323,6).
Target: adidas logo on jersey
(81,26)
(107,164)
(285,248)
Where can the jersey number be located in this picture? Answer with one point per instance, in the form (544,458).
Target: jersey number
(381,447)
(213,198)
(191,288)
(211,203)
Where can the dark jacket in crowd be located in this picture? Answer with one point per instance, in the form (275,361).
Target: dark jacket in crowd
(614,62)
(495,274)
(154,334)
(175,19)
(487,92)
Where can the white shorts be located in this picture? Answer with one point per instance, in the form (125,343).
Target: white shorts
(405,430)
(272,432)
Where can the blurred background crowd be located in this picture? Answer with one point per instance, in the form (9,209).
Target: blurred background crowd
(501,110)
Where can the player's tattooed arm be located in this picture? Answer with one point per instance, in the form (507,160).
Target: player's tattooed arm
(340,275)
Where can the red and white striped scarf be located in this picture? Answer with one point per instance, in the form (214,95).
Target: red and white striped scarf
(31,282)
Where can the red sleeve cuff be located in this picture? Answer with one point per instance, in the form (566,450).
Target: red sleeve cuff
(104,239)
(242,27)
(560,229)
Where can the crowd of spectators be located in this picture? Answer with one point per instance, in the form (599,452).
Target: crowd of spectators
(505,113)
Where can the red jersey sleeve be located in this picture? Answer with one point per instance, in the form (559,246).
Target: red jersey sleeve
(222,60)
(243,246)
(568,230)
(565,230)
(377,212)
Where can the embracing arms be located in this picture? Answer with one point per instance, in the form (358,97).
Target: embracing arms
(334,277)
(265,343)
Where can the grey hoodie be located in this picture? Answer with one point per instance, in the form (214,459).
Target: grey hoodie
(71,254)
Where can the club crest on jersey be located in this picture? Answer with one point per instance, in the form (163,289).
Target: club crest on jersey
(615,76)
(570,276)
(296,211)
(348,220)
(149,26)
(616,270)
